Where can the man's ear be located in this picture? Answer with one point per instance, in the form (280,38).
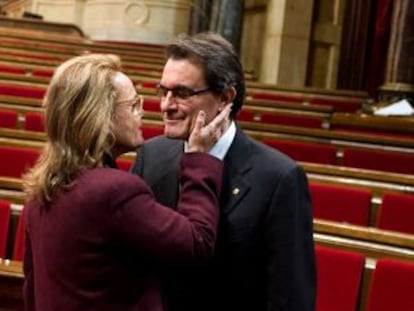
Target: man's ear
(227,97)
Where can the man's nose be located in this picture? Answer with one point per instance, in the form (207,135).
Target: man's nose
(168,101)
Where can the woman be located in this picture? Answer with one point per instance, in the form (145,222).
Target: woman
(95,236)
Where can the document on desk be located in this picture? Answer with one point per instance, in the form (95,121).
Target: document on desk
(399,108)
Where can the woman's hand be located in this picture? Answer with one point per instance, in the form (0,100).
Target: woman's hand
(203,137)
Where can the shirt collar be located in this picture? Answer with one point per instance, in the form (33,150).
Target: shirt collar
(222,146)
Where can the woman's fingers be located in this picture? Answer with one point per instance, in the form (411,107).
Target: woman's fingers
(219,123)
(203,137)
(222,118)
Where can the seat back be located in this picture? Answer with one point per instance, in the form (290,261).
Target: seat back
(12,69)
(8,118)
(397,212)
(245,115)
(304,151)
(15,161)
(47,73)
(149,131)
(149,84)
(392,286)
(27,91)
(340,104)
(341,203)
(291,119)
(388,161)
(151,104)
(4,226)
(124,164)
(339,275)
(277,96)
(34,121)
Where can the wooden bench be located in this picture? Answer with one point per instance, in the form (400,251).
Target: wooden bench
(76,42)
(340,139)
(61,29)
(375,181)
(362,123)
(11,275)
(53,60)
(11,285)
(342,99)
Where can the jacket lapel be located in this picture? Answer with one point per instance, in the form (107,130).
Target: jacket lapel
(236,164)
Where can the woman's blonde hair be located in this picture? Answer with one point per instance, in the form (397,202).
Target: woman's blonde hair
(79,108)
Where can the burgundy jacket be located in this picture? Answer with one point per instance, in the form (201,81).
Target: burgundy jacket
(100,245)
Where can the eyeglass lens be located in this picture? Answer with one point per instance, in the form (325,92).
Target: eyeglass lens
(181,92)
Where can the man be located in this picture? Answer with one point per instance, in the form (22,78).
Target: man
(264,257)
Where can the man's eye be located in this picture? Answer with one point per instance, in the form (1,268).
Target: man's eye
(182,92)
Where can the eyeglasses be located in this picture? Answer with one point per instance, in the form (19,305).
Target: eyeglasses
(180,92)
(137,104)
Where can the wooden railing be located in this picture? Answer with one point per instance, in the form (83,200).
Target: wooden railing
(41,26)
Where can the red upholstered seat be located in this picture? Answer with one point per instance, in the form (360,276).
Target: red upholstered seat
(339,276)
(304,151)
(12,69)
(151,104)
(388,161)
(22,90)
(368,132)
(149,131)
(42,73)
(149,84)
(341,203)
(15,161)
(32,56)
(4,226)
(340,104)
(245,115)
(397,212)
(34,121)
(8,118)
(124,164)
(19,244)
(291,119)
(289,97)
(143,68)
(392,286)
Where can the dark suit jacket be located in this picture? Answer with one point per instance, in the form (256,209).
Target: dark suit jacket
(97,245)
(264,258)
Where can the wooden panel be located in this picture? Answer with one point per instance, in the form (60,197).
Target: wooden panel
(254,24)
(325,43)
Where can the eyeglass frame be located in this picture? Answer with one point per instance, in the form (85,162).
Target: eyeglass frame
(162,91)
(138,104)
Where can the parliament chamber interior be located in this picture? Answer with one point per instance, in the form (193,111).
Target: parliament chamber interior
(359,163)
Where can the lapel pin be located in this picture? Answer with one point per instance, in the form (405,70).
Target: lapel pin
(236,191)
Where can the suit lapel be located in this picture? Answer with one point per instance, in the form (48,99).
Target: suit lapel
(237,163)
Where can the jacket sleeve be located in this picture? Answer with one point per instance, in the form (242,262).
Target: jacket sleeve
(188,232)
(291,266)
(28,286)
